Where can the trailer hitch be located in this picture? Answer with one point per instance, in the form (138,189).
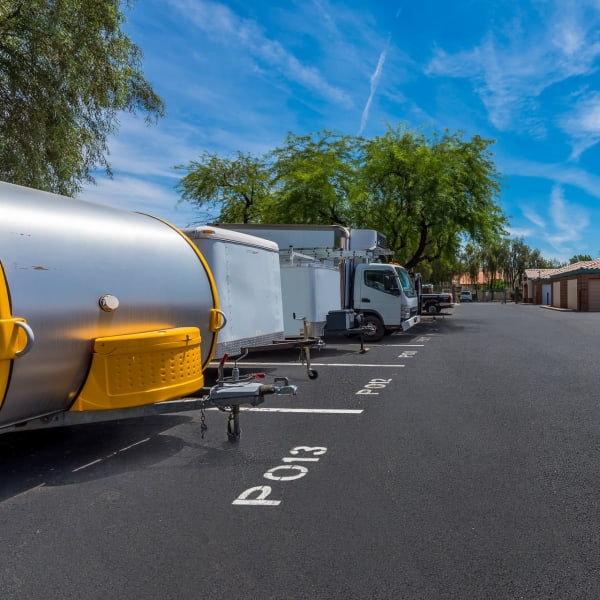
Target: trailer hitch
(230,393)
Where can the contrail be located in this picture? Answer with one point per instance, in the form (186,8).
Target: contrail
(374,83)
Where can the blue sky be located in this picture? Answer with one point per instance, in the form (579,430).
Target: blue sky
(240,75)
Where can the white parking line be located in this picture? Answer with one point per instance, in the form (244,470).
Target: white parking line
(33,489)
(320,411)
(404,345)
(95,462)
(312,364)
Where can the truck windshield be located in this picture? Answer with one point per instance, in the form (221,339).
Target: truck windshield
(406,282)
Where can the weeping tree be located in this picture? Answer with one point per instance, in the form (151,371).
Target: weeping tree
(66,71)
(427,195)
(234,189)
(313,176)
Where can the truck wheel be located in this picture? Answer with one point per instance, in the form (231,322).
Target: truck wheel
(375,330)
(433,309)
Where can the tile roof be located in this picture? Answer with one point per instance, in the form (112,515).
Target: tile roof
(582,265)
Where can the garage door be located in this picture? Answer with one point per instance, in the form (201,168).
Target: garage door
(546,293)
(594,295)
(556,294)
(572,294)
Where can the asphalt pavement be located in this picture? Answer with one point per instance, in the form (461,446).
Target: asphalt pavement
(457,460)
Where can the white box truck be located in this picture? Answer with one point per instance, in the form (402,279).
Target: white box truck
(338,281)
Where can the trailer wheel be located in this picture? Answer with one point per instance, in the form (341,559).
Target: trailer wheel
(312,374)
(374,329)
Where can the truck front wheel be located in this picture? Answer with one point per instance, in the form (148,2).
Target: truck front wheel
(433,309)
(374,329)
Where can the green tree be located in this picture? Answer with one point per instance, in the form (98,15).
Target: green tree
(470,262)
(234,188)
(516,258)
(313,176)
(66,71)
(427,196)
(493,256)
(579,257)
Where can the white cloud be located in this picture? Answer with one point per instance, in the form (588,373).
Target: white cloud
(374,83)
(582,123)
(517,232)
(510,71)
(555,172)
(531,215)
(221,24)
(569,220)
(141,195)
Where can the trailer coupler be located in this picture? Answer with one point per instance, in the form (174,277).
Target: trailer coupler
(229,398)
(230,393)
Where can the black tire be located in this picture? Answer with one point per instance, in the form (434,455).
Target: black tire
(432,309)
(375,329)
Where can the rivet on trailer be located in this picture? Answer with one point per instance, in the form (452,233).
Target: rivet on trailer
(105,314)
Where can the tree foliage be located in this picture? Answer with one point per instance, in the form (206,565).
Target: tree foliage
(238,187)
(507,259)
(426,195)
(579,257)
(313,177)
(66,71)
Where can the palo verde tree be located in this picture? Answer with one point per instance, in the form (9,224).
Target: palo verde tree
(426,195)
(312,179)
(470,262)
(66,71)
(517,257)
(234,188)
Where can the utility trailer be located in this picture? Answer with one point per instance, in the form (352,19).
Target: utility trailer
(246,273)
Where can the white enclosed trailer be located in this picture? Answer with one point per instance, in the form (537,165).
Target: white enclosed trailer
(309,292)
(246,273)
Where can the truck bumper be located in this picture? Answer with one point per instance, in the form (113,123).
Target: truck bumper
(406,325)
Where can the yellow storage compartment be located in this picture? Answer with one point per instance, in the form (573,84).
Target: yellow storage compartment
(142,368)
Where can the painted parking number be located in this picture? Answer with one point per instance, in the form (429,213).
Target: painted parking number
(293,468)
(374,384)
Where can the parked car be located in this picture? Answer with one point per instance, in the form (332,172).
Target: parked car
(433,303)
(466,296)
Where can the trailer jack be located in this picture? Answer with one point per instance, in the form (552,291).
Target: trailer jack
(231,392)
(305,342)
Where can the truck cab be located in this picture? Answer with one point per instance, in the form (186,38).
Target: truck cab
(385,295)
